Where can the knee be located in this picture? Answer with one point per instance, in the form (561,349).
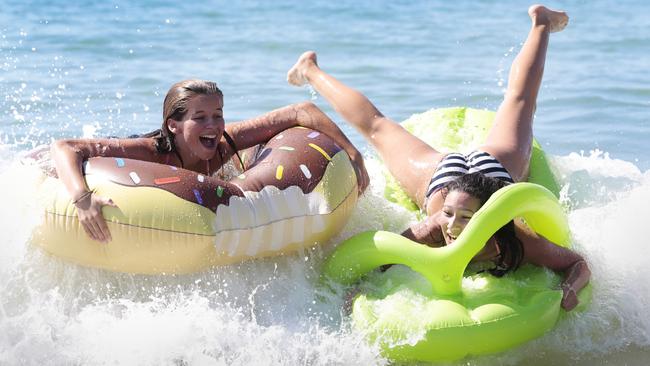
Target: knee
(379,125)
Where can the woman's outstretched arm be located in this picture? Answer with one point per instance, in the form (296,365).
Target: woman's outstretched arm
(68,156)
(260,129)
(541,252)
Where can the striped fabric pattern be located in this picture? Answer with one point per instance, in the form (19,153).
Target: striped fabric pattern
(455,165)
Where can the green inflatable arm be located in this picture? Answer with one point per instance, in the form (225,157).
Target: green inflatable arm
(444,267)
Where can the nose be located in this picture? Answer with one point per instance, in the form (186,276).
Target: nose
(452,225)
(215,121)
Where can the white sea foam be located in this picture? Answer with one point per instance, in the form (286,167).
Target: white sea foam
(274,311)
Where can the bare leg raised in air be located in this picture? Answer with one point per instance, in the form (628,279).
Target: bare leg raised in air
(510,139)
(410,160)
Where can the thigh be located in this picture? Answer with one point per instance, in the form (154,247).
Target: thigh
(511,137)
(409,159)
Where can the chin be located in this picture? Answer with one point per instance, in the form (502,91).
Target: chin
(207,154)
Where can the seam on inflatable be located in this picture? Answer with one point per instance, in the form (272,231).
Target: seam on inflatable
(136,226)
(221,231)
(291,217)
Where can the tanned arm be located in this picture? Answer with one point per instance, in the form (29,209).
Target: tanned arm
(541,252)
(260,129)
(426,232)
(69,155)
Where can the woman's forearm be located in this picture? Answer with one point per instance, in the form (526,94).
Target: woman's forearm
(426,232)
(68,163)
(260,129)
(310,116)
(69,156)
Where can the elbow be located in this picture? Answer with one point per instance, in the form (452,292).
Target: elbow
(307,109)
(307,114)
(58,146)
(306,106)
(65,148)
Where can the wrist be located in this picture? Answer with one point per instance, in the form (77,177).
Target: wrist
(81,198)
(567,287)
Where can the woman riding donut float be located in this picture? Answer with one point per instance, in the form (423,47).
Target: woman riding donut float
(165,211)
(423,171)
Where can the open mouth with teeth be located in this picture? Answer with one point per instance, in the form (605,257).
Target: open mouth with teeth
(208,141)
(451,238)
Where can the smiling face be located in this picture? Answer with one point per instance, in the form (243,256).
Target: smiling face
(457,210)
(199,131)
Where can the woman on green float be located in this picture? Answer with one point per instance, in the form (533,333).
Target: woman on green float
(193,136)
(430,178)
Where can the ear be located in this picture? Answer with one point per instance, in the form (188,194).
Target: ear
(173,126)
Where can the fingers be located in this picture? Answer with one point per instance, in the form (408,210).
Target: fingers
(93,221)
(362,180)
(99,222)
(96,228)
(366,179)
(104,233)
(569,299)
(88,228)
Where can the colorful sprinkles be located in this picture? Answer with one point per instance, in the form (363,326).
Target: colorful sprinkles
(135,177)
(219,191)
(320,150)
(120,162)
(197,194)
(167,180)
(313,135)
(305,171)
(278,172)
(286,148)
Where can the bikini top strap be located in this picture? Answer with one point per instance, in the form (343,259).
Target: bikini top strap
(232,145)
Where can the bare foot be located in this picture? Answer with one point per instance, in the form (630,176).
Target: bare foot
(555,20)
(297,74)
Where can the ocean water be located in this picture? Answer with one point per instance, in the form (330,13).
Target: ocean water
(102,68)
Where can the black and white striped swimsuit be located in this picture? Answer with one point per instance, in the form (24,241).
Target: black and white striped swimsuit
(455,165)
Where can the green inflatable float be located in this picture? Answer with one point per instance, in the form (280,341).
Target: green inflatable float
(440,312)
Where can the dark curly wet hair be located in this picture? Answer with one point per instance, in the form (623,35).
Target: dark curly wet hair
(510,247)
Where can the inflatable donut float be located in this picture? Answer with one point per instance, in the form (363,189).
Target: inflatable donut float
(300,190)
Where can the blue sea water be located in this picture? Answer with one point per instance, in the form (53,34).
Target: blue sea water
(89,68)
